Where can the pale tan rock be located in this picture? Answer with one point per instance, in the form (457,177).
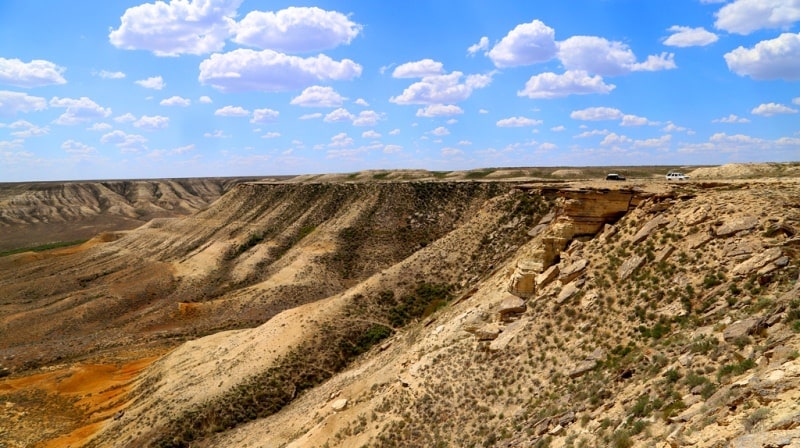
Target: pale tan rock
(573,270)
(523,280)
(735,226)
(339,405)
(630,266)
(569,290)
(511,306)
(547,276)
(664,253)
(757,261)
(649,227)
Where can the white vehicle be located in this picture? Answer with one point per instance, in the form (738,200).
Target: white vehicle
(674,175)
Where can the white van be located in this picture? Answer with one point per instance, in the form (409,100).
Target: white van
(674,175)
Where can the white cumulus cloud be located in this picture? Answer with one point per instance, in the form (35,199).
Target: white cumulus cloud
(151,123)
(600,56)
(597,114)
(246,70)
(27,129)
(341,140)
(634,120)
(572,82)
(777,58)
(338,116)
(732,118)
(125,118)
(367,118)
(685,36)
(36,73)
(12,103)
(78,110)
(153,82)
(441,131)
(124,141)
(370,134)
(318,96)
(76,147)
(232,111)
(746,16)
(482,45)
(418,69)
(176,101)
(105,74)
(439,110)
(264,116)
(526,44)
(442,89)
(176,27)
(296,30)
(770,109)
(310,116)
(517,122)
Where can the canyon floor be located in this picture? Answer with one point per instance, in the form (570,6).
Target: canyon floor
(496,308)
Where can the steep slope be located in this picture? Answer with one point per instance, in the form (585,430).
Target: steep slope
(38,213)
(676,326)
(422,314)
(261,249)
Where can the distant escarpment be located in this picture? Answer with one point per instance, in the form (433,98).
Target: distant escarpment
(44,212)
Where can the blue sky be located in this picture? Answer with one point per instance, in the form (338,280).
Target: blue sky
(101,89)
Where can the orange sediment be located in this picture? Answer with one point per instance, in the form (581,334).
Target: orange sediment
(96,391)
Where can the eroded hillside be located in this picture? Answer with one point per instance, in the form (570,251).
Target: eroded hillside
(423,313)
(32,214)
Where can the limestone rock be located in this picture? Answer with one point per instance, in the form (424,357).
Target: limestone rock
(339,404)
(572,271)
(775,439)
(547,276)
(511,306)
(508,333)
(607,232)
(774,266)
(694,216)
(630,265)
(742,328)
(523,280)
(735,226)
(699,239)
(664,253)
(488,333)
(757,262)
(569,290)
(649,227)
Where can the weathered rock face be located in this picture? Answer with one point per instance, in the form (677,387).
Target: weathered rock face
(581,213)
(523,280)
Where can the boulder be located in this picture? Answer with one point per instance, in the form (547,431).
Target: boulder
(569,290)
(699,239)
(776,439)
(735,226)
(523,280)
(547,276)
(572,271)
(508,333)
(488,333)
(511,306)
(649,227)
(758,261)
(630,265)
(339,405)
(664,253)
(742,328)
(607,232)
